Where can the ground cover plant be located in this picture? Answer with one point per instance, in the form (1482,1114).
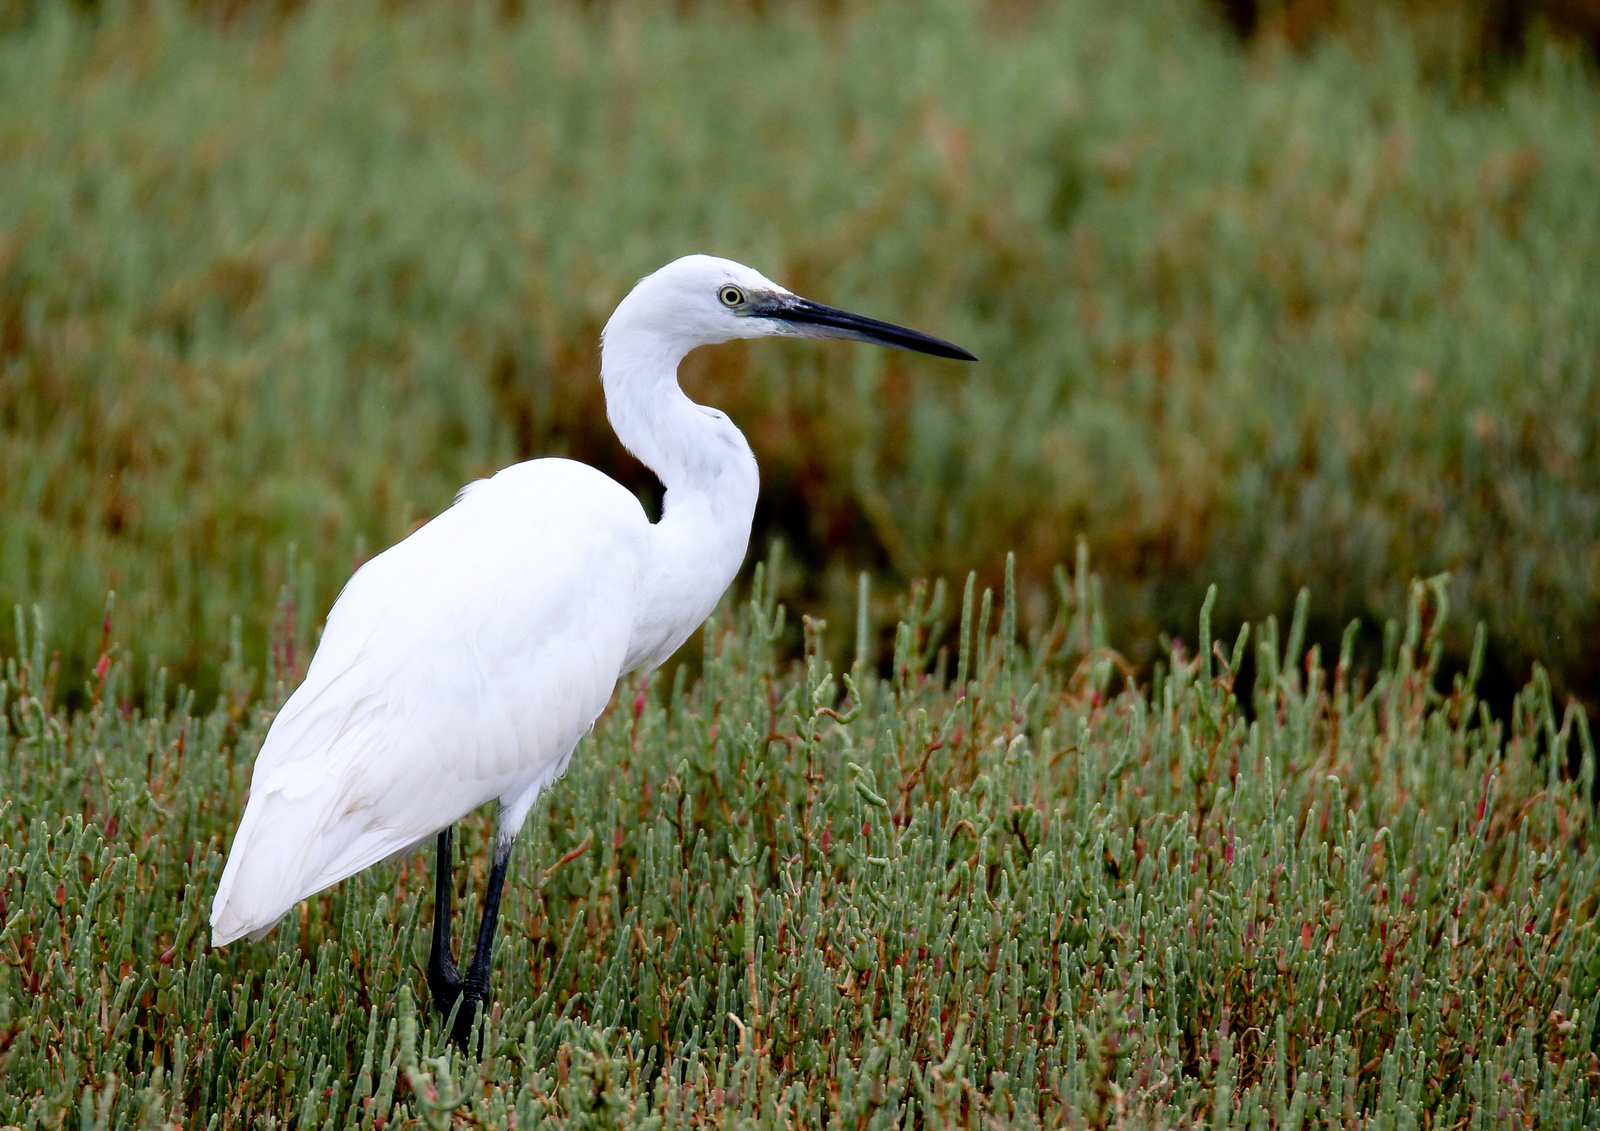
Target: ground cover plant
(277,274)
(996,884)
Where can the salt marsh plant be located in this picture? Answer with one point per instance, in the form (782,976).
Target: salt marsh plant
(993,882)
(1269,320)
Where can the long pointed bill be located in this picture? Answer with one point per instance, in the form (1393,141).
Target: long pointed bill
(813,320)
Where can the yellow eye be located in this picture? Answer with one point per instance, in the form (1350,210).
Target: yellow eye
(731,296)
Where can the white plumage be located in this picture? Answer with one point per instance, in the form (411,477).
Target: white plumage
(429,696)
(462,665)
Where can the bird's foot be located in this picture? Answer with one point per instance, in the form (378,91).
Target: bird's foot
(450,991)
(444,986)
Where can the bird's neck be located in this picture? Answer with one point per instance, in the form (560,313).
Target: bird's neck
(711,484)
(694,451)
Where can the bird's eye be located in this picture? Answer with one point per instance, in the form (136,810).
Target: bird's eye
(731,296)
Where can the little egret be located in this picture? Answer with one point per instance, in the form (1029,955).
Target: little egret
(463,664)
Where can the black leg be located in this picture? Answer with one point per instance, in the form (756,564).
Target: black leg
(444,979)
(475,985)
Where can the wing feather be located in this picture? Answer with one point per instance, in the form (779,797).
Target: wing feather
(460,666)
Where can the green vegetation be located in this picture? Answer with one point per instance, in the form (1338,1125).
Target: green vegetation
(1262,319)
(792,896)
(275,283)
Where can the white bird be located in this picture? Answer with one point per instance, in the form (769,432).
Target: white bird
(463,664)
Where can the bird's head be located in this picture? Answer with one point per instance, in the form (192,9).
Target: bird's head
(700,300)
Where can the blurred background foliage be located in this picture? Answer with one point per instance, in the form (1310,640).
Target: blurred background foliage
(1267,294)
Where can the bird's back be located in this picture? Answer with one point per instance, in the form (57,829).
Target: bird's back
(460,666)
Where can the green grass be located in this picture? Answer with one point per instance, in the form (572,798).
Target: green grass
(786,896)
(1266,320)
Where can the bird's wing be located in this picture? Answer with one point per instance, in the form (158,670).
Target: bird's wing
(457,667)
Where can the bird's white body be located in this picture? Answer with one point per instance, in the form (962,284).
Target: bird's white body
(462,665)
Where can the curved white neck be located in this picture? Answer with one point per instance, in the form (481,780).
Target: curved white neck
(710,478)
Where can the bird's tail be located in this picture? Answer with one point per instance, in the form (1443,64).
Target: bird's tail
(290,846)
(250,896)
(270,864)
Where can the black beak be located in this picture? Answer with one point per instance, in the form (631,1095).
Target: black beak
(813,320)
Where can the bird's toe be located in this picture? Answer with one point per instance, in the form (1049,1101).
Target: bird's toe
(467,1015)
